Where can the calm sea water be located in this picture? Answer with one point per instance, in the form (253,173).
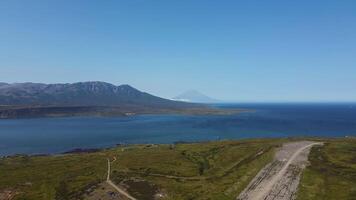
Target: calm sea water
(55,135)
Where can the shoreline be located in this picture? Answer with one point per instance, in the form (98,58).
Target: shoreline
(77,151)
(39,112)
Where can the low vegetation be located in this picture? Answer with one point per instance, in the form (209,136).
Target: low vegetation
(51,177)
(211,170)
(208,170)
(331,173)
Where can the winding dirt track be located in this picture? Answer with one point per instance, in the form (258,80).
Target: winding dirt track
(115,186)
(279,179)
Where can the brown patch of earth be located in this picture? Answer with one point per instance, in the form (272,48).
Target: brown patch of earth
(104,192)
(138,188)
(141,189)
(8,194)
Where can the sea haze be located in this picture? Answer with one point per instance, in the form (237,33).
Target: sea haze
(56,135)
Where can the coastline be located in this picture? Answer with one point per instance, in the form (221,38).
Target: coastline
(78,151)
(29,112)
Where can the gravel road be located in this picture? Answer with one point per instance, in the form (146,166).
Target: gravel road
(279,179)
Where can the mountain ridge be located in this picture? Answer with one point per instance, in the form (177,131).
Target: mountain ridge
(92,98)
(91,93)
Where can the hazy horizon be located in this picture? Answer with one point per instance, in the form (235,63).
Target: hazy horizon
(234,51)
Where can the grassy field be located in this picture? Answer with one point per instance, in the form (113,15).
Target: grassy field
(210,170)
(332,173)
(50,177)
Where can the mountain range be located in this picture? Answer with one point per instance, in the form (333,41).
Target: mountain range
(19,100)
(93,93)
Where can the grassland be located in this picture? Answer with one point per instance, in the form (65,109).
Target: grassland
(50,177)
(331,173)
(210,170)
(214,170)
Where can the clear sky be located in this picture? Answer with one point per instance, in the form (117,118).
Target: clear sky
(234,50)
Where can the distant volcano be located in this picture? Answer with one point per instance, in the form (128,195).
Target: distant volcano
(195,96)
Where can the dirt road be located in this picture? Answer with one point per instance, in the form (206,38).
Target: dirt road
(115,186)
(279,179)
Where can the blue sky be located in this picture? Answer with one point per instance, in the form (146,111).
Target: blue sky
(232,50)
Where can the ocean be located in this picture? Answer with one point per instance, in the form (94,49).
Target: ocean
(264,120)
